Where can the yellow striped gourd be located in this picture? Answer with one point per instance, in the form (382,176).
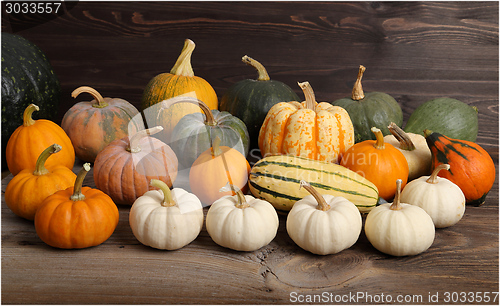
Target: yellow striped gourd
(276,179)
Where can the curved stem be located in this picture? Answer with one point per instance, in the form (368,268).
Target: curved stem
(322,205)
(396,205)
(433,178)
(403,138)
(77,190)
(95,94)
(209,117)
(427,133)
(216,150)
(263,76)
(182,66)
(168,200)
(242,202)
(27,115)
(357,90)
(42,158)
(379,143)
(309,95)
(135,139)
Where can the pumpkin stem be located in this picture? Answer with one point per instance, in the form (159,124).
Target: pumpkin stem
(309,95)
(379,143)
(242,202)
(433,178)
(168,200)
(42,158)
(97,96)
(396,205)
(403,138)
(216,150)
(322,205)
(427,133)
(182,66)
(77,190)
(27,115)
(135,139)
(357,90)
(263,76)
(209,117)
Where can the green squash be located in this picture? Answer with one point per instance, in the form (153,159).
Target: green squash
(446,116)
(250,100)
(194,133)
(372,109)
(27,78)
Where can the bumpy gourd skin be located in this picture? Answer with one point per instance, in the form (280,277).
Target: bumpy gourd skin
(27,77)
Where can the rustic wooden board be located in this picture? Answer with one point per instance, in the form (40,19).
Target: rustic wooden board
(414,51)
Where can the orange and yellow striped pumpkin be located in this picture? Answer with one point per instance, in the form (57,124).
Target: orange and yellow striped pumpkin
(181,81)
(309,129)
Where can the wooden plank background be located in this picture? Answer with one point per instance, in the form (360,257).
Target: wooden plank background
(414,51)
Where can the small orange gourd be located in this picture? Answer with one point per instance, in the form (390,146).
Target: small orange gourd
(92,125)
(180,81)
(124,169)
(27,190)
(380,163)
(77,217)
(309,129)
(30,139)
(214,168)
(471,167)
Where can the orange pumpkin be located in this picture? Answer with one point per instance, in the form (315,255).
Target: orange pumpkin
(30,139)
(309,129)
(380,163)
(92,125)
(125,167)
(471,167)
(27,190)
(77,217)
(214,168)
(181,81)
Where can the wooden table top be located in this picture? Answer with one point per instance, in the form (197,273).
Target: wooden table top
(414,51)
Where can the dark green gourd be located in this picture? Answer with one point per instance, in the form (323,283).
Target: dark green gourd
(446,116)
(250,99)
(371,109)
(27,78)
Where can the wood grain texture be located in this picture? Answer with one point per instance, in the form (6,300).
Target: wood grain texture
(415,51)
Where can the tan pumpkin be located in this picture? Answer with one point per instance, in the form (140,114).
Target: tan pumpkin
(92,125)
(309,129)
(124,169)
(180,81)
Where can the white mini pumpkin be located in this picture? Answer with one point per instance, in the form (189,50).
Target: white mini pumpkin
(323,224)
(415,149)
(442,199)
(399,229)
(242,222)
(166,219)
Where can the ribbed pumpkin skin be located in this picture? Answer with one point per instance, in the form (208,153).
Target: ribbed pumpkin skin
(91,128)
(27,142)
(291,128)
(25,192)
(167,85)
(191,136)
(125,176)
(382,167)
(471,167)
(27,77)
(446,116)
(250,100)
(377,109)
(63,223)
(276,179)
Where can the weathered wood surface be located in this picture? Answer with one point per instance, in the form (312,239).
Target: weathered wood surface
(414,51)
